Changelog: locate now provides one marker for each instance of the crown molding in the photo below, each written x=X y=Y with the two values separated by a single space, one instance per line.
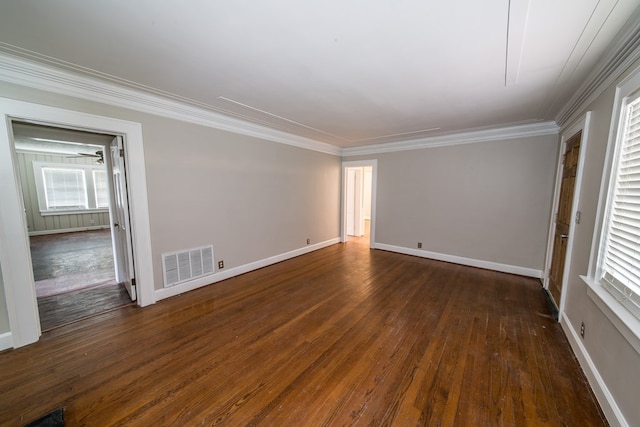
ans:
x=95 y=88
x=621 y=56
x=510 y=132
x=52 y=79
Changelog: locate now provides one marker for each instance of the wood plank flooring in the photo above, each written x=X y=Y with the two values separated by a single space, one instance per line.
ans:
x=58 y=310
x=341 y=336
x=72 y=261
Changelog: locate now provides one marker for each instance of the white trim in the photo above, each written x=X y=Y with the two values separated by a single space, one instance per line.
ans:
x=581 y=125
x=612 y=412
x=236 y=271
x=373 y=163
x=6 y=341
x=470 y=137
x=14 y=246
x=504 y=268
x=52 y=79
x=68 y=230
x=552 y=218
x=73 y=212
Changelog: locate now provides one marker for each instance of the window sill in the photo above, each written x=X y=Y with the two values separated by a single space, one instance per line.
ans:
x=625 y=322
x=73 y=212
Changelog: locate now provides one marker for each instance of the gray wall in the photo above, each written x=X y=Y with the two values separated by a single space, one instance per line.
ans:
x=614 y=358
x=251 y=199
x=488 y=201
x=35 y=221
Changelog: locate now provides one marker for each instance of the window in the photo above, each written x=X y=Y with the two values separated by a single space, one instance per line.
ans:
x=619 y=264
x=613 y=276
x=64 y=188
x=70 y=188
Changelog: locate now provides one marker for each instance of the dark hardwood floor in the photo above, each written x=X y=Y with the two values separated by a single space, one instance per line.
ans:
x=75 y=276
x=59 y=310
x=341 y=336
x=68 y=262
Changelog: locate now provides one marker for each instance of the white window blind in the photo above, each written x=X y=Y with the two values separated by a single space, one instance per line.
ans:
x=64 y=188
x=101 y=188
x=621 y=255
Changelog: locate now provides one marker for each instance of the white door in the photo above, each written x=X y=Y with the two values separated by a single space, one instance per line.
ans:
x=358 y=203
x=119 y=214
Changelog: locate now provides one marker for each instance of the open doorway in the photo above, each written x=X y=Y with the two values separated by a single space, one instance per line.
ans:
x=70 y=200
x=359 y=190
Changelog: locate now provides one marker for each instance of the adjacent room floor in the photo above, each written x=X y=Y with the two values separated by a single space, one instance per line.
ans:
x=74 y=276
x=341 y=336
x=71 y=261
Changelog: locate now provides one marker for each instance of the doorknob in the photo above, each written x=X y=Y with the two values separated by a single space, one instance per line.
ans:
x=116 y=225
x=564 y=236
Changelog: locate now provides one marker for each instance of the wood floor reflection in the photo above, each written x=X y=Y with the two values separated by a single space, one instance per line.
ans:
x=341 y=336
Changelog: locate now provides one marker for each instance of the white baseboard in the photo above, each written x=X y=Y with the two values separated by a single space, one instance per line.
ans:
x=6 y=341
x=608 y=404
x=236 y=271
x=67 y=230
x=505 y=268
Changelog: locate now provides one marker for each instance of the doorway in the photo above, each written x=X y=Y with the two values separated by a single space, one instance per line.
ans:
x=17 y=275
x=358 y=201
x=71 y=206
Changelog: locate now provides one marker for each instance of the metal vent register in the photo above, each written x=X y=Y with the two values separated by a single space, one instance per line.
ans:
x=186 y=265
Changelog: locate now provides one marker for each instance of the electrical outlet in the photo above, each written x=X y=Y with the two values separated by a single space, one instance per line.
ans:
x=582 y=329
x=308 y=241
x=220 y=264
x=419 y=245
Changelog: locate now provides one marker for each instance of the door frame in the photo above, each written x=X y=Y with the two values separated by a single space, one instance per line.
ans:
x=581 y=124
x=15 y=256
x=373 y=163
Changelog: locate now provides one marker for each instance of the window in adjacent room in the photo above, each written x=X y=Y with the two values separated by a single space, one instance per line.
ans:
x=64 y=188
x=70 y=188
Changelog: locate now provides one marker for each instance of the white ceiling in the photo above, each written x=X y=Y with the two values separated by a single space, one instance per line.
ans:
x=349 y=73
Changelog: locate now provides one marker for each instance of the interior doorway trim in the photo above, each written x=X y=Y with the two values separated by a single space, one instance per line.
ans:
x=15 y=255
x=373 y=163
x=582 y=124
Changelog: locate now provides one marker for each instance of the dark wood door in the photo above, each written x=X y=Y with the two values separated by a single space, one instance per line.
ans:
x=563 y=216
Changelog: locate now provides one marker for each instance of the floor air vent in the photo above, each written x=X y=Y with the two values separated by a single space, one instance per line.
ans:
x=186 y=265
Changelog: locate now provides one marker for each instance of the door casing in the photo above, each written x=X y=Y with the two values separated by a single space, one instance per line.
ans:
x=373 y=163
x=582 y=124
